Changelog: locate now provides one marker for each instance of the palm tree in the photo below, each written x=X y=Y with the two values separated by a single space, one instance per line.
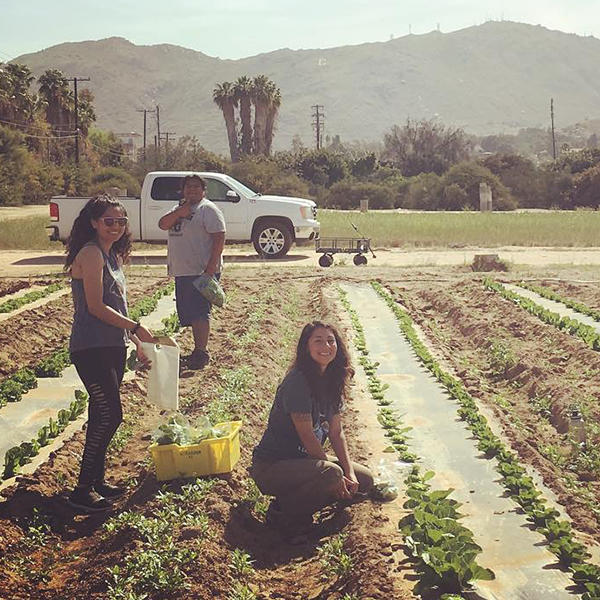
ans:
x=273 y=110
x=224 y=97
x=54 y=88
x=86 y=113
x=243 y=94
x=17 y=104
x=260 y=98
x=7 y=107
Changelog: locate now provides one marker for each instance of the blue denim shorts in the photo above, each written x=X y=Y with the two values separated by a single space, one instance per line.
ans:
x=191 y=304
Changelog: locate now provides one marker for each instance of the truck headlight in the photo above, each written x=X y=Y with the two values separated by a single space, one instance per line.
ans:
x=305 y=212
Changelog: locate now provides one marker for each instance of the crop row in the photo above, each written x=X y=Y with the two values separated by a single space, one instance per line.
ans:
x=443 y=550
x=10 y=305
x=561 y=542
x=572 y=326
x=13 y=387
x=17 y=456
x=552 y=295
x=160 y=550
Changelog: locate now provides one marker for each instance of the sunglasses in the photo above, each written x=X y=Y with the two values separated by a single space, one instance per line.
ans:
x=110 y=221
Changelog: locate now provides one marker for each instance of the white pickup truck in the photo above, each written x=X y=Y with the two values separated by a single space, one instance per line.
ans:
x=271 y=223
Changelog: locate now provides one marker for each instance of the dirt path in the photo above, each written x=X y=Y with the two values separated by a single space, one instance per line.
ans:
x=22 y=263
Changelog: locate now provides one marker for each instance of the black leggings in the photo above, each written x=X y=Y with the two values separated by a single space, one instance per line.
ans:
x=101 y=370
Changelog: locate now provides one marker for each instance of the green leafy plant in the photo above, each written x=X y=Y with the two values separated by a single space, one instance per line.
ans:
x=551 y=295
x=241 y=591
x=336 y=562
x=241 y=564
x=444 y=550
x=18 y=456
x=572 y=326
x=15 y=303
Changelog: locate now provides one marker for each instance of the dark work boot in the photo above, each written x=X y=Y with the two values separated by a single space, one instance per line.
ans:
x=198 y=359
x=108 y=491
x=86 y=499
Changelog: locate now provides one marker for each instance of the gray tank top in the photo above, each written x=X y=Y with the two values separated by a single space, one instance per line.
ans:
x=88 y=331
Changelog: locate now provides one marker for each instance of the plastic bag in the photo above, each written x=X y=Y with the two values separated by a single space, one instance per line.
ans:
x=210 y=288
x=384 y=491
x=163 y=377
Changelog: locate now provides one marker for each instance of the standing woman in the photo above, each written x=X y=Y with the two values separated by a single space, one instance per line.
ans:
x=289 y=462
x=99 y=244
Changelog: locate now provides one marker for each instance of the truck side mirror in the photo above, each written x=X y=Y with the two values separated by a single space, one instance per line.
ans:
x=231 y=196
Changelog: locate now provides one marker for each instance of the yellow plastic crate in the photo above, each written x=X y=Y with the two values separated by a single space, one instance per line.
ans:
x=210 y=456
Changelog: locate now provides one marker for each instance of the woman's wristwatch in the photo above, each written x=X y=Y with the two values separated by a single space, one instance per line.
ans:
x=135 y=328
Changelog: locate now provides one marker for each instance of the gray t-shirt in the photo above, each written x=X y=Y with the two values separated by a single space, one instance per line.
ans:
x=190 y=241
x=280 y=440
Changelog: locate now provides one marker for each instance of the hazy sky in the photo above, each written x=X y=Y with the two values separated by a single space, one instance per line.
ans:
x=239 y=28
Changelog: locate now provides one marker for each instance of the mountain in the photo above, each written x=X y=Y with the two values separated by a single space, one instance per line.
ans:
x=495 y=77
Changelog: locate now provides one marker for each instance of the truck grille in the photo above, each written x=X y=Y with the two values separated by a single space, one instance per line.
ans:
x=314 y=212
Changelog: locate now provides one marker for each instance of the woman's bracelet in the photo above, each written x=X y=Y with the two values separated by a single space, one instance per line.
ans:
x=135 y=328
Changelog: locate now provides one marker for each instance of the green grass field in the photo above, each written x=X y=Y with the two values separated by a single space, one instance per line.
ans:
x=391 y=229
x=27 y=233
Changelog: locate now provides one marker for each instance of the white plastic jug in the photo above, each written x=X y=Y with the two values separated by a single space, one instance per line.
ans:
x=163 y=377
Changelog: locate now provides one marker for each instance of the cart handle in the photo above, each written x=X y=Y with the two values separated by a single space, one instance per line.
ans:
x=362 y=236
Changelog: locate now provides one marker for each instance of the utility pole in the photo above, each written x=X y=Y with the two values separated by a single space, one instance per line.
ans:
x=318 y=124
x=75 y=80
x=166 y=135
x=145 y=111
x=157 y=110
x=552 y=120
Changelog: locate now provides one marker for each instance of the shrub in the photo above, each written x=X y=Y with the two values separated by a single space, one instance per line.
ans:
x=114 y=177
x=347 y=194
x=586 y=188
x=322 y=167
x=424 y=192
x=265 y=176
x=467 y=176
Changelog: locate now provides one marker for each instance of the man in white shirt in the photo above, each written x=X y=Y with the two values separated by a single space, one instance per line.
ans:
x=195 y=246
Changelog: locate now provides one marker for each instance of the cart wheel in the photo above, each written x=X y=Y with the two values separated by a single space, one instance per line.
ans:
x=359 y=259
x=326 y=260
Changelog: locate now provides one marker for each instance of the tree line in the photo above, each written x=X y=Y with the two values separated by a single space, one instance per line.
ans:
x=418 y=165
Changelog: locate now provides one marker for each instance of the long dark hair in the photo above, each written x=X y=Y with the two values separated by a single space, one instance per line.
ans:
x=83 y=231
x=332 y=385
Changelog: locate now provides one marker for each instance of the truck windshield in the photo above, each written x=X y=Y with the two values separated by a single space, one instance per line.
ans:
x=240 y=187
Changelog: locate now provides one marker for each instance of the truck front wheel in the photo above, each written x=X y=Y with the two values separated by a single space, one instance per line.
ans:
x=272 y=239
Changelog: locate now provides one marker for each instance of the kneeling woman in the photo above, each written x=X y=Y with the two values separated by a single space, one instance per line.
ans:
x=289 y=462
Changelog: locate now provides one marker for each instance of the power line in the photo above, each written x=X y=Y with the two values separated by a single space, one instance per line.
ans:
x=113 y=152
x=49 y=137
x=38 y=127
